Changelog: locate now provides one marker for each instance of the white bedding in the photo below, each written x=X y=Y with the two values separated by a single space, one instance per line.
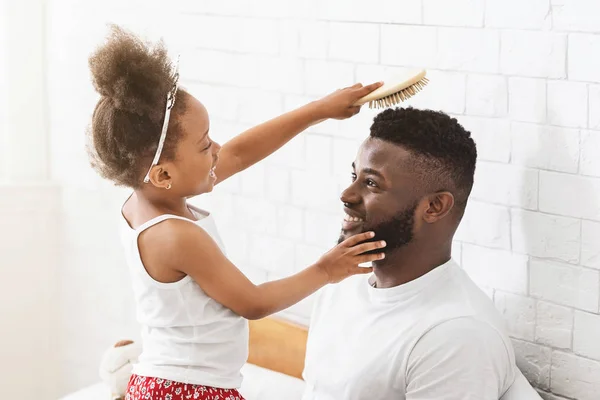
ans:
x=259 y=384
x=96 y=392
x=264 y=384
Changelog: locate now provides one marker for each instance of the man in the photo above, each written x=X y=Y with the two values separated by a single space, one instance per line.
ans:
x=418 y=328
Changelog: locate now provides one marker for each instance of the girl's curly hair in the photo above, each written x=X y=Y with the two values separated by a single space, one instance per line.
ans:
x=133 y=79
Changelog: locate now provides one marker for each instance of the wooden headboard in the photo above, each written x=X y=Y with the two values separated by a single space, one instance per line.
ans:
x=278 y=345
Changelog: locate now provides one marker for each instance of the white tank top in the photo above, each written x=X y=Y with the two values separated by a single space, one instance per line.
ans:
x=186 y=336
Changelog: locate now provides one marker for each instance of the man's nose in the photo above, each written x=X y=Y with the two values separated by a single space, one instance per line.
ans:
x=350 y=195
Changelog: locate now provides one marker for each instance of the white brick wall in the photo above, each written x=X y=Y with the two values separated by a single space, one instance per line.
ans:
x=354 y=42
x=207 y=66
x=281 y=74
x=452 y=83
x=506 y=184
x=522 y=76
x=487 y=95
x=585 y=335
x=567 y=104
x=250 y=101
x=386 y=11
x=564 y=284
x=589 y=162
x=534 y=54
x=307 y=255
x=485 y=225
x=556 y=197
x=454 y=13
x=321 y=229
x=545 y=147
x=527 y=99
x=546 y=236
x=575 y=15
x=492 y=135
x=271 y=253
x=322 y=77
x=553 y=325
x=582 y=67
x=575 y=377
x=590 y=251
x=278 y=184
x=313 y=39
x=594 y=107
x=410 y=46
x=517 y=14
x=459 y=49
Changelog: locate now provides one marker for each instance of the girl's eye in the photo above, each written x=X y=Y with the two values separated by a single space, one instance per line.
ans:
x=209 y=145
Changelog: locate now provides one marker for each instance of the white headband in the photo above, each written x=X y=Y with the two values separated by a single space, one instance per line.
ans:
x=163 y=134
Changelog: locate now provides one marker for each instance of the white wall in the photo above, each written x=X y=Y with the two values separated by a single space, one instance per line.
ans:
x=3 y=90
x=523 y=76
x=29 y=249
x=30 y=227
x=27 y=158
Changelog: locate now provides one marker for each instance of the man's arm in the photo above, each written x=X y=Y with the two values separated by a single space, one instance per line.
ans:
x=461 y=359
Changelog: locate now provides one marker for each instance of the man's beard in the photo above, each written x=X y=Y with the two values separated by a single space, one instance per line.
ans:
x=397 y=231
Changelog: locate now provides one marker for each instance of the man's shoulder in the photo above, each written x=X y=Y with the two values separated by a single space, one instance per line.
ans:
x=466 y=337
x=465 y=329
x=462 y=313
x=467 y=349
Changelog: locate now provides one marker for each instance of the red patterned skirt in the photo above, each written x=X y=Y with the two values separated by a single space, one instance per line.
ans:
x=146 y=388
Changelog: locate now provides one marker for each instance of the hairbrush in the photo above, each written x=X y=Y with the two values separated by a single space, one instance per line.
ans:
x=399 y=89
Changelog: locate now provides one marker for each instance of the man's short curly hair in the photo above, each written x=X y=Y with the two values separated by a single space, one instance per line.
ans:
x=444 y=152
x=133 y=78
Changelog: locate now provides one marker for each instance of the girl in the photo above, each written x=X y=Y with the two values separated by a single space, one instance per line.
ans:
x=192 y=302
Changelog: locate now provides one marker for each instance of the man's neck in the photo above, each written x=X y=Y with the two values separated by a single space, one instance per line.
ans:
x=409 y=263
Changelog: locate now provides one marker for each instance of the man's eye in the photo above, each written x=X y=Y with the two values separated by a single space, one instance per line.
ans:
x=371 y=182
x=353 y=175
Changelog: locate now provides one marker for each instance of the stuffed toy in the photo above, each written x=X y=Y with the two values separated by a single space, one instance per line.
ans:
x=116 y=366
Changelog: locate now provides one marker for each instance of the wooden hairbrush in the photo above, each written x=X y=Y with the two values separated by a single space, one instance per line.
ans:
x=397 y=90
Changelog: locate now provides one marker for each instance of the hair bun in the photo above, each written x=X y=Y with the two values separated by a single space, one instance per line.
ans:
x=134 y=75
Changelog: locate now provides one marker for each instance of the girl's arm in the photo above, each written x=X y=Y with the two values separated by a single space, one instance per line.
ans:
x=255 y=144
x=185 y=247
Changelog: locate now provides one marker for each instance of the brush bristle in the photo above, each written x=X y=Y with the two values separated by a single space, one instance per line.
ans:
x=400 y=96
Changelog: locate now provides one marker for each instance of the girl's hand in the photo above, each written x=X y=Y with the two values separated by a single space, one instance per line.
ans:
x=342 y=261
x=340 y=104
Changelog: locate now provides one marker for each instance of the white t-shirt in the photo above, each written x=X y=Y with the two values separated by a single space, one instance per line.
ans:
x=187 y=336
x=436 y=337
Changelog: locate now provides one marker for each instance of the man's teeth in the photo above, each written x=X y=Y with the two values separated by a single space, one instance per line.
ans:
x=352 y=219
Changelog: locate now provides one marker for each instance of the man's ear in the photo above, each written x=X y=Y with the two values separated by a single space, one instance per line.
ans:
x=440 y=205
